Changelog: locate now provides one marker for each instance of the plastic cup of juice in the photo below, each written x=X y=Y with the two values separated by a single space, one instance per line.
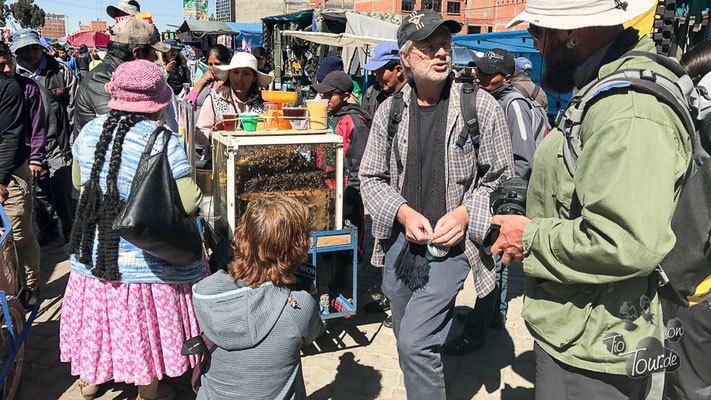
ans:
x=318 y=113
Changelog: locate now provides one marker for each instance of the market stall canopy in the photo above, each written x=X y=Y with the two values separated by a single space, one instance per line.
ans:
x=518 y=44
x=363 y=25
x=335 y=39
x=199 y=28
x=90 y=39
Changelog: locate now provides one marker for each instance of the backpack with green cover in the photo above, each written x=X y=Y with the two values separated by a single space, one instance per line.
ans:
x=685 y=273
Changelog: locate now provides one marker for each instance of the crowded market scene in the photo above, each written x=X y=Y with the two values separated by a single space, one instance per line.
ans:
x=319 y=201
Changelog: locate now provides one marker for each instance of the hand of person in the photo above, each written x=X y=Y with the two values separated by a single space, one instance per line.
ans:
x=510 y=241
x=417 y=228
x=219 y=126
x=36 y=170
x=4 y=194
x=450 y=229
x=208 y=76
x=170 y=65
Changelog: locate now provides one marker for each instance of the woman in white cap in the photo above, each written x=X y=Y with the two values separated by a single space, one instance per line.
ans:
x=239 y=94
x=598 y=226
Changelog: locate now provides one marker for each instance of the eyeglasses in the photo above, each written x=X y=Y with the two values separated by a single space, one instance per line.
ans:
x=536 y=31
x=431 y=50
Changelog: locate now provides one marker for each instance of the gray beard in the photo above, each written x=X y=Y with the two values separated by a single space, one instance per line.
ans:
x=429 y=76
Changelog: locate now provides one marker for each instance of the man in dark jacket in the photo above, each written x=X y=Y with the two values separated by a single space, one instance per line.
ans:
x=15 y=176
x=59 y=85
x=176 y=67
x=131 y=39
x=390 y=78
x=83 y=59
x=353 y=124
x=522 y=82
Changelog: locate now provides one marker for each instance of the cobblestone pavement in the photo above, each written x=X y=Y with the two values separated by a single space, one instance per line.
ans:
x=357 y=359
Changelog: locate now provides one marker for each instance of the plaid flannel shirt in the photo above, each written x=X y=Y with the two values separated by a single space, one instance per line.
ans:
x=469 y=180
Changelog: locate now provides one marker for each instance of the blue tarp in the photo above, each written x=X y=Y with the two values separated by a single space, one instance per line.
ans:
x=251 y=33
x=519 y=44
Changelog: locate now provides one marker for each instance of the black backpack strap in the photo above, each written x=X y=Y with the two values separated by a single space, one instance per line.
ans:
x=397 y=108
x=470 y=130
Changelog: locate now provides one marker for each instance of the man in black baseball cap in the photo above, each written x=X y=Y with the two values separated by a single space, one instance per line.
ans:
x=421 y=24
x=352 y=123
x=426 y=189
x=495 y=69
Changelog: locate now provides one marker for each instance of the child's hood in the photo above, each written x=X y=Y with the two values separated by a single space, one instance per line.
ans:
x=236 y=317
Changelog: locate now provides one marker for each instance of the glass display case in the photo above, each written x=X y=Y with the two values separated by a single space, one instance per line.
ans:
x=307 y=166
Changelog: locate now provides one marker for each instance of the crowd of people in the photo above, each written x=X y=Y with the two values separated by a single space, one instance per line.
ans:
x=424 y=151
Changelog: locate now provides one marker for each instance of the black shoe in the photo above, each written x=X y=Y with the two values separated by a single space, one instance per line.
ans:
x=28 y=298
x=498 y=323
x=45 y=238
x=377 y=306
x=463 y=344
x=388 y=323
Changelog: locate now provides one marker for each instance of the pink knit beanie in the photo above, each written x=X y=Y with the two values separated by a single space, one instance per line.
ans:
x=138 y=86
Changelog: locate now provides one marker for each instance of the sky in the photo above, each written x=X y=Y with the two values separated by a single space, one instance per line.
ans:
x=164 y=12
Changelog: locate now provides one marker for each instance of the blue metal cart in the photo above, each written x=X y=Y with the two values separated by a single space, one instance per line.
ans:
x=15 y=329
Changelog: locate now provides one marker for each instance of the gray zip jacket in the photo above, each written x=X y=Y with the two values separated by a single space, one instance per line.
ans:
x=258 y=336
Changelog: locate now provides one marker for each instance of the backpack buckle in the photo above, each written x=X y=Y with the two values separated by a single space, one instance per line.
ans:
x=397 y=118
x=663 y=278
x=472 y=123
x=648 y=75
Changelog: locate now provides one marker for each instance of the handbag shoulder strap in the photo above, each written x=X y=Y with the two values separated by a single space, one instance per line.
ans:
x=152 y=140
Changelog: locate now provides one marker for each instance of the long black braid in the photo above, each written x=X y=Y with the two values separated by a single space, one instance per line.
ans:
x=95 y=209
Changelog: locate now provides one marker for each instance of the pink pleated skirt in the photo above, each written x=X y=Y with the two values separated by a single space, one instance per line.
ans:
x=125 y=332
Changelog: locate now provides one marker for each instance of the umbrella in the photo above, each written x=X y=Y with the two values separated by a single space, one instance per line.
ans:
x=89 y=38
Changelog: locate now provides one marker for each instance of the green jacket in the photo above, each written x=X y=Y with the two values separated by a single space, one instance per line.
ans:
x=593 y=241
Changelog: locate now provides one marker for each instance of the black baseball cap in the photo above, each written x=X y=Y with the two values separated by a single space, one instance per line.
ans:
x=496 y=61
x=420 y=24
x=336 y=80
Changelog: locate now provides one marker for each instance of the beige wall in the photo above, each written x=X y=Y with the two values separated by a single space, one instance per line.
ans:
x=252 y=11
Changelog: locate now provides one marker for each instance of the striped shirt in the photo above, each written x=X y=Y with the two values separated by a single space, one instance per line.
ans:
x=135 y=265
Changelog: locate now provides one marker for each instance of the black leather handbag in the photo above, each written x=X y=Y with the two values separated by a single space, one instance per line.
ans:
x=154 y=219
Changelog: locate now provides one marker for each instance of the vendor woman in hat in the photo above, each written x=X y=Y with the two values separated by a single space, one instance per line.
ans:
x=239 y=94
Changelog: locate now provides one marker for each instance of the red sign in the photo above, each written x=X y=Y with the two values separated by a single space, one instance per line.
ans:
x=145 y=15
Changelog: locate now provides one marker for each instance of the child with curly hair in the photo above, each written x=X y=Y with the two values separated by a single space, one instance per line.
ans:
x=252 y=313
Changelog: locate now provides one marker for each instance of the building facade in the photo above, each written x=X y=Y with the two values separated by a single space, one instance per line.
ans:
x=476 y=16
x=225 y=10
x=54 y=26
x=246 y=12
x=93 y=26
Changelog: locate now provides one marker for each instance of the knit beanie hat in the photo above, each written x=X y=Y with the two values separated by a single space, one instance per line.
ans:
x=328 y=65
x=138 y=86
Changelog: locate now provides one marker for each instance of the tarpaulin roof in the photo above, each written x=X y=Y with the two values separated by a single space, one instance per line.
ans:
x=308 y=14
x=206 y=27
x=89 y=38
x=242 y=27
x=518 y=44
x=335 y=39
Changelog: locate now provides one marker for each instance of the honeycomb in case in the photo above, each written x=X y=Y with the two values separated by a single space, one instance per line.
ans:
x=296 y=171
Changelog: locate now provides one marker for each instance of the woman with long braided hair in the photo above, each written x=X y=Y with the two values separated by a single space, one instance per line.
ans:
x=126 y=313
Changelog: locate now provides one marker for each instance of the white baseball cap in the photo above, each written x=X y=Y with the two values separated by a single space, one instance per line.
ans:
x=574 y=14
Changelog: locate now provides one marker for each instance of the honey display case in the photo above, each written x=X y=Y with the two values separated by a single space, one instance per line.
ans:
x=306 y=165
